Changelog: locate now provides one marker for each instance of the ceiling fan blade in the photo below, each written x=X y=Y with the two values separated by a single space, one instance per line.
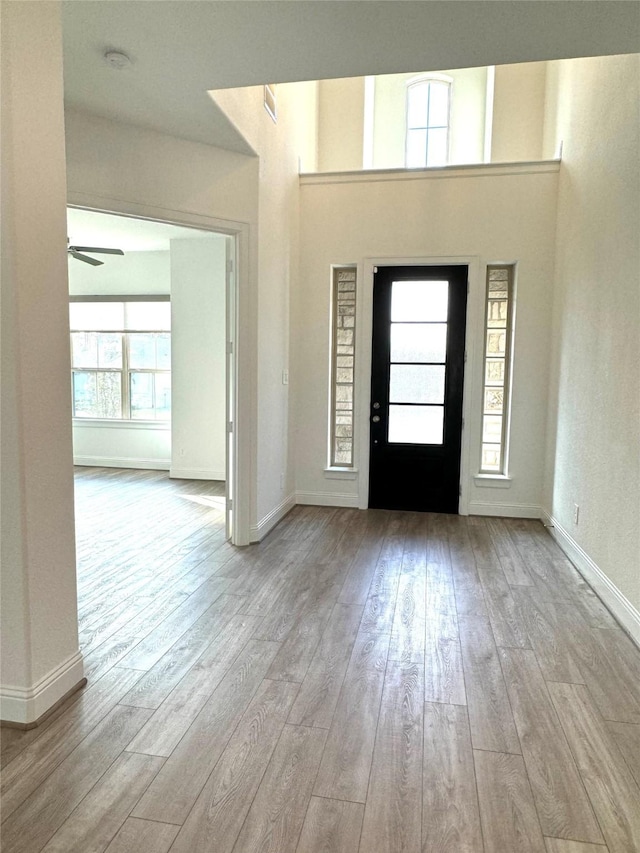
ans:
x=85 y=258
x=96 y=250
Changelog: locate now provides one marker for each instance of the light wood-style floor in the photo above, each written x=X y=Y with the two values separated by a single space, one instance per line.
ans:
x=375 y=681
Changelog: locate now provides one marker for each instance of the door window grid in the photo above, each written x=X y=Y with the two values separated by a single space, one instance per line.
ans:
x=342 y=366
x=119 y=372
x=495 y=396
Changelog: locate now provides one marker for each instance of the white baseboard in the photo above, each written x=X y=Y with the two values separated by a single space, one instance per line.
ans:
x=327 y=499
x=258 y=531
x=196 y=474
x=504 y=510
x=122 y=462
x=26 y=705
x=618 y=604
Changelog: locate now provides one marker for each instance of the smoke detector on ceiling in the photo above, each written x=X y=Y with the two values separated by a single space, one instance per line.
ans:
x=116 y=59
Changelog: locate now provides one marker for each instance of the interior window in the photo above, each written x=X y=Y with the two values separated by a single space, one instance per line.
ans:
x=427 y=142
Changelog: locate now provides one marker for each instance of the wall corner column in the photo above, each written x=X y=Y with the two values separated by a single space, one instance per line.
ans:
x=41 y=662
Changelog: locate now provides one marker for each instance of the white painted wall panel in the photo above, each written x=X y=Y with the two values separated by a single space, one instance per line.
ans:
x=593 y=455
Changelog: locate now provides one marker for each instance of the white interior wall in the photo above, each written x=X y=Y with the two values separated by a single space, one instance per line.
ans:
x=41 y=661
x=517 y=122
x=198 y=354
x=593 y=455
x=519 y=112
x=137 y=273
x=279 y=146
x=492 y=214
x=340 y=124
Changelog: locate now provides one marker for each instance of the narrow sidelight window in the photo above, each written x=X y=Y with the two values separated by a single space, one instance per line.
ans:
x=342 y=366
x=497 y=360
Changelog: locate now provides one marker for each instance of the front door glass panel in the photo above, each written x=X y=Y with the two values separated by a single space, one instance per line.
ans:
x=417 y=361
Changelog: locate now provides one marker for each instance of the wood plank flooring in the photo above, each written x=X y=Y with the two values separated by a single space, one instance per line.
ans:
x=359 y=682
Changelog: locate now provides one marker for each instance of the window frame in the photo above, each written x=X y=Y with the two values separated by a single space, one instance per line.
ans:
x=427 y=79
x=503 y=469
x=125 y=370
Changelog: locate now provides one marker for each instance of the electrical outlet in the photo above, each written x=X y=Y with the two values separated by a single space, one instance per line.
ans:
x=285 y=377
x=282 y=482
x=576 y=513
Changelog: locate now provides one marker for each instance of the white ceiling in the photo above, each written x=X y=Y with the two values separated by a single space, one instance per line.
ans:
x=105 y=230
x=180 y=49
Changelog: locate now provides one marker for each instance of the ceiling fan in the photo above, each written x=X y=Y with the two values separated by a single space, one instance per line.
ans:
x=76 y=252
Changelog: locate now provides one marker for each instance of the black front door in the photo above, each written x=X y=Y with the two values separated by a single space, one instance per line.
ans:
x=417 y=372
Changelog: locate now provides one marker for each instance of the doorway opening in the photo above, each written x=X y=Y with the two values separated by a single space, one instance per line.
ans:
x=154 y=398
x=417 y=378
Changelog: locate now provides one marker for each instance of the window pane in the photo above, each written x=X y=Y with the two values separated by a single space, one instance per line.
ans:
x=141 y=391
x=84 y=349
x=439 y=105
x=493 y=399
x=496 y=343
x=163 y=351
x=416 y=424
x=163 y=395
x=85 y=395
x=494 y=371
x=437 y=143
x=96 y=316
x=97 y=395
x=492 y=428
x=155 y=316
x=416 y=383
x=497 y=313
x=418 y=341
x=417 y=104
x=142 y=352
x=416 y=149
x=109 y=350
x=419 y=301
x=491 y=457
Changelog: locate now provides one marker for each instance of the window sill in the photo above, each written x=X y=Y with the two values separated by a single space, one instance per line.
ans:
x=341 y=473
x=493 y=481
x=116 y=424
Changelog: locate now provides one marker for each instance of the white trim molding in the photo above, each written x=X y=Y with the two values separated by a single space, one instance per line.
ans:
x=121 y=462
x=197 y=474
x=504 y=510
x=492 y=481
x=327 y=499
x=472 y=170
x=621 y=608
x=259 y=531
x=108 y=423
x=25 y=705
x=341 y=473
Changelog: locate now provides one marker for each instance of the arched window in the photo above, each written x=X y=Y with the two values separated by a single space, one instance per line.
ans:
x=427 y=144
